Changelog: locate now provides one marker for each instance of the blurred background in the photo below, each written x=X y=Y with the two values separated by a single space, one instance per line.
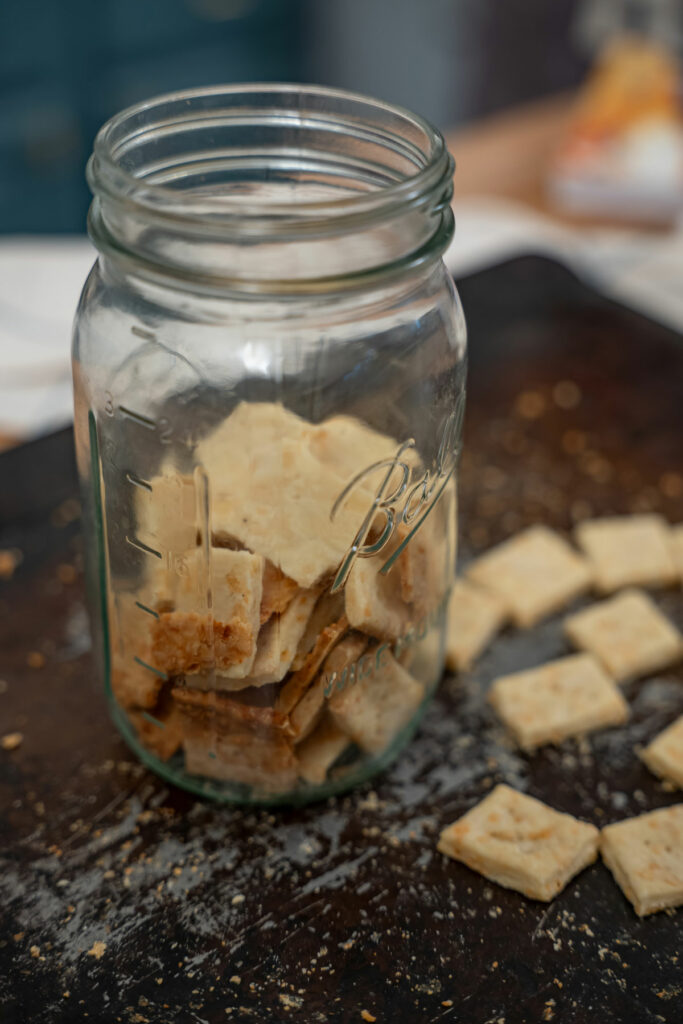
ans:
x=564 y=118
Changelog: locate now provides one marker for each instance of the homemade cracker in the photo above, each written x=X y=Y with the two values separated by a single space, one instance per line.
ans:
x=628 y=551
x=277 y=591
x=224 y=739
x=533 y=574
x=320 y=750
x=307 y=712
x=567 y=697
x=167 y=514
x=627 y=633
x=275 y=482
x=373 y=600
x=279 y=639
x=379 y=702
x=474 y=617
x=196 y=636
x=521 y=843
x=299 y=682
x=664 y=755
x=645 y=855
x=329 y=608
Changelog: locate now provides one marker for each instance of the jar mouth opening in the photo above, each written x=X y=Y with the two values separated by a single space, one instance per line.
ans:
x=267 y=159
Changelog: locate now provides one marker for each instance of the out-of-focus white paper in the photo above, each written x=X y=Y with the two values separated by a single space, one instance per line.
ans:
x=40 y=282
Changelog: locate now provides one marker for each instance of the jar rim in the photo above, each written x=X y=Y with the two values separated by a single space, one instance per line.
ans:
x=108 y=177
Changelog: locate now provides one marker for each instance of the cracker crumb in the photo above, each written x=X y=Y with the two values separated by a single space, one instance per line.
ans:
x=35 y=952
x=9 y=560
x=34 y=659
x=365 y=1015
x=236 y=900
x=12 y=740
x=236 y=980
x=97 y=949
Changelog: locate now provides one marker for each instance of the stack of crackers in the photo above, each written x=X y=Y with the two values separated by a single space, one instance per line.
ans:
x=514 y=839
x=236 y=647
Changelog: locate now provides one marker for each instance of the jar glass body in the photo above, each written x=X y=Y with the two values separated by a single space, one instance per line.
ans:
x=270 y=514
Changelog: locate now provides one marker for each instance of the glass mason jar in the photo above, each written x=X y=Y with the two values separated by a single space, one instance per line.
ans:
x=269 y=368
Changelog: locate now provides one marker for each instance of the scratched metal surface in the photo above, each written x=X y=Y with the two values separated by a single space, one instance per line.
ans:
x=123 y=900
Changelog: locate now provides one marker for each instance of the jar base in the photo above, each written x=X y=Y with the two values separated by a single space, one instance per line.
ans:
x=237 y=794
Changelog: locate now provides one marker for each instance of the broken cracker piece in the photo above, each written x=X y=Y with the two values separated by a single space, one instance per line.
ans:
x=320 y=750
x=373 y=600
x=224 y=739
x=328 y=609
x=664 y=754
x=378 y=702
x=219 y=630
x=474 y=617
x=627 y=633
x=299 y=682
x=278 y=591
x=521 y=843
x=645 y=855
x=279 y=639
x=566 y=697
x=309 y=709
x=627 y=551
x=534 y=574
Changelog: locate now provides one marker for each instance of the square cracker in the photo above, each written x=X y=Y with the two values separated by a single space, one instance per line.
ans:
x=521 y=843
x=627 y=633
x=378 y=702
x=533 y=574
x=197 y=635
x=320 y=750
x=664 y=755
x=627 y=551
x=645 y=855
x=563 y=698
x=474 y=617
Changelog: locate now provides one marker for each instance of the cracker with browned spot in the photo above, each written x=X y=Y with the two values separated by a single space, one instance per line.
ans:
x=278 y=591
x=521 y=843
x=645 y=855
x=566 y=697
x=329 y=608
x=216 y=616
x=664 y=754
x=533 y=574
x=627 y=633
x=627 y=551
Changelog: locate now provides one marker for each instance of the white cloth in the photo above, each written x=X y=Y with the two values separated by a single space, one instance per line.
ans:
x=41 y=279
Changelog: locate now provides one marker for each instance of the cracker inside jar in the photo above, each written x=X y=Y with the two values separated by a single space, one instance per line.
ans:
x=252 y=659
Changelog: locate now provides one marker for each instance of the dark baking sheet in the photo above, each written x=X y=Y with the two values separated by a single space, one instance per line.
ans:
x=211 y=914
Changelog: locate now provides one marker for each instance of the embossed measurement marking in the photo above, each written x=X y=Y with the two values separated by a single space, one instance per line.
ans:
x=145 y=548
x=137 y=481
x=151 y=668
x=143 y=421
x=140 y=332
x=144 y=608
